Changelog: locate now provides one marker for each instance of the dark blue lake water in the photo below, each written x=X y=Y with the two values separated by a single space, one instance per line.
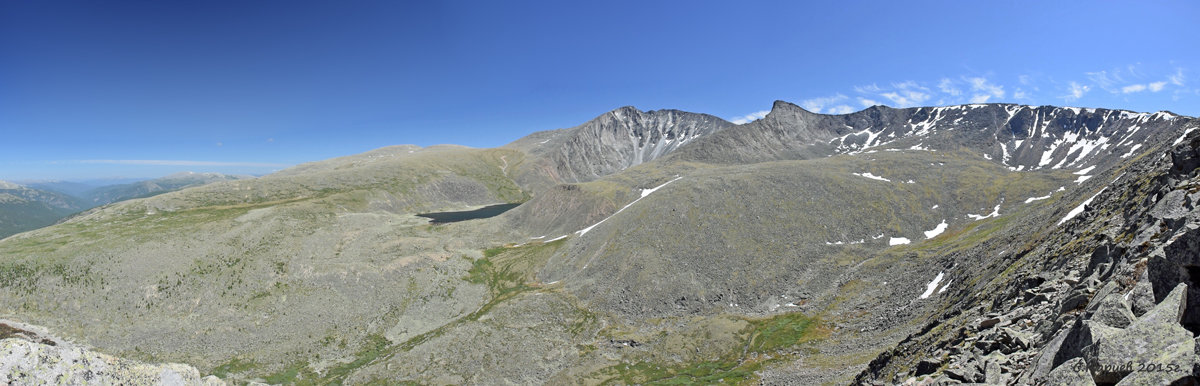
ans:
x=484 y=212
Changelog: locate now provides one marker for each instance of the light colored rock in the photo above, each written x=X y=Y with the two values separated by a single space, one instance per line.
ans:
x=1071 y=373
x=1114 y=311
x=25 y=362
x=1156 y=338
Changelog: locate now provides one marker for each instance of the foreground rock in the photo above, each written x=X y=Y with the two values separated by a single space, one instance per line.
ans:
x=32 y=358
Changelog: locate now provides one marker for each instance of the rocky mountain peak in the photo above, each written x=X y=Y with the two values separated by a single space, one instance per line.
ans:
x=620 y=139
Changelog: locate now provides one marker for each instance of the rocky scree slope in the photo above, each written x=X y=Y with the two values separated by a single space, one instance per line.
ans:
x=905 y=174
x=1105 y=293
x=788 y=251
x=249 y=279
x=612 y=142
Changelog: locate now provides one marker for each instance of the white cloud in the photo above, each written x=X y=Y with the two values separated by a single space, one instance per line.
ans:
x=903 y=94
x=1177 y=78
x=908 y=84
x=1133 y=88
x=984 y=90
x=871 y=89
x=906 y=98
x=1024 y=79
x=947 y=86
x=1134 y=71
x=1075 y=91
x=867 y=102
x=749 y=117
x=1020 y=94
x=840 y=109
x=1105 y=80
x=1157 y=86
x=178 y=163
x=817 y=104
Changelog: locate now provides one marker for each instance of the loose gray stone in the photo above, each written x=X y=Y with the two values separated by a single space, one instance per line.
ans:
x=1114 y=311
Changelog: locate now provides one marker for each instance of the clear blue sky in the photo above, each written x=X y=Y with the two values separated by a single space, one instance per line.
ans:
x=93 y=89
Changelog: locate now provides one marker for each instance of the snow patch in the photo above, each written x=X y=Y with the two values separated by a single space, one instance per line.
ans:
x=898 y=241
x=645 y=192
x=932 y=285
x=1184 y=136
x=556 y=238
x=1078 y=209
x=1032 y=199
x=1131 y=151
x=944 y=287
x=929 y=234
x=1081 y=179
x=995 y=213
x=1085 y=171
x=871 y=176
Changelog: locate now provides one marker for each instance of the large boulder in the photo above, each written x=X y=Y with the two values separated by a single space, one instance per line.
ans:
x=1114 y=311
x=1156 y=339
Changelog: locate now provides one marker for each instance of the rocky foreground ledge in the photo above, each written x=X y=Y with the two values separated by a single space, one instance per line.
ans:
x=31 y=356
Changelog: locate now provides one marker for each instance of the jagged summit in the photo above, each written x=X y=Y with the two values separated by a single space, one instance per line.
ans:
x=614 y=141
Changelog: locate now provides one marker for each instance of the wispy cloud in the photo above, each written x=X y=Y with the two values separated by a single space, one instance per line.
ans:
x=179 y=163
x=1133 y=88
x=904 y=94
x=869 y=89
x=749 y=117
x=947 y=86
x=816 y=105
x=840 y=109
x=1032 y=87
x=1075 y=91
x=982 y=90
x=1177 y=78
x=1105 y=80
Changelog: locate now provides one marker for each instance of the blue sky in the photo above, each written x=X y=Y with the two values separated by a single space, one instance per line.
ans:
x=93 y=89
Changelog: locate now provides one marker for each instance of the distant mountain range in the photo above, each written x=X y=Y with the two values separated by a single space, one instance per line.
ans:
x=982 y=243
x=38 y=204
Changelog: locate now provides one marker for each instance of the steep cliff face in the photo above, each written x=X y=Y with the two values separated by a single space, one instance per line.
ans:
x=613 y=142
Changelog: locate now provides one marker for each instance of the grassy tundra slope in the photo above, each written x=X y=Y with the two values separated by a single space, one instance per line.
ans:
x=796 y=248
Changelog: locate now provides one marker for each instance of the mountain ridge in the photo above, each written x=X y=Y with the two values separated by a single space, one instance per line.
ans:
x=798 y=248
